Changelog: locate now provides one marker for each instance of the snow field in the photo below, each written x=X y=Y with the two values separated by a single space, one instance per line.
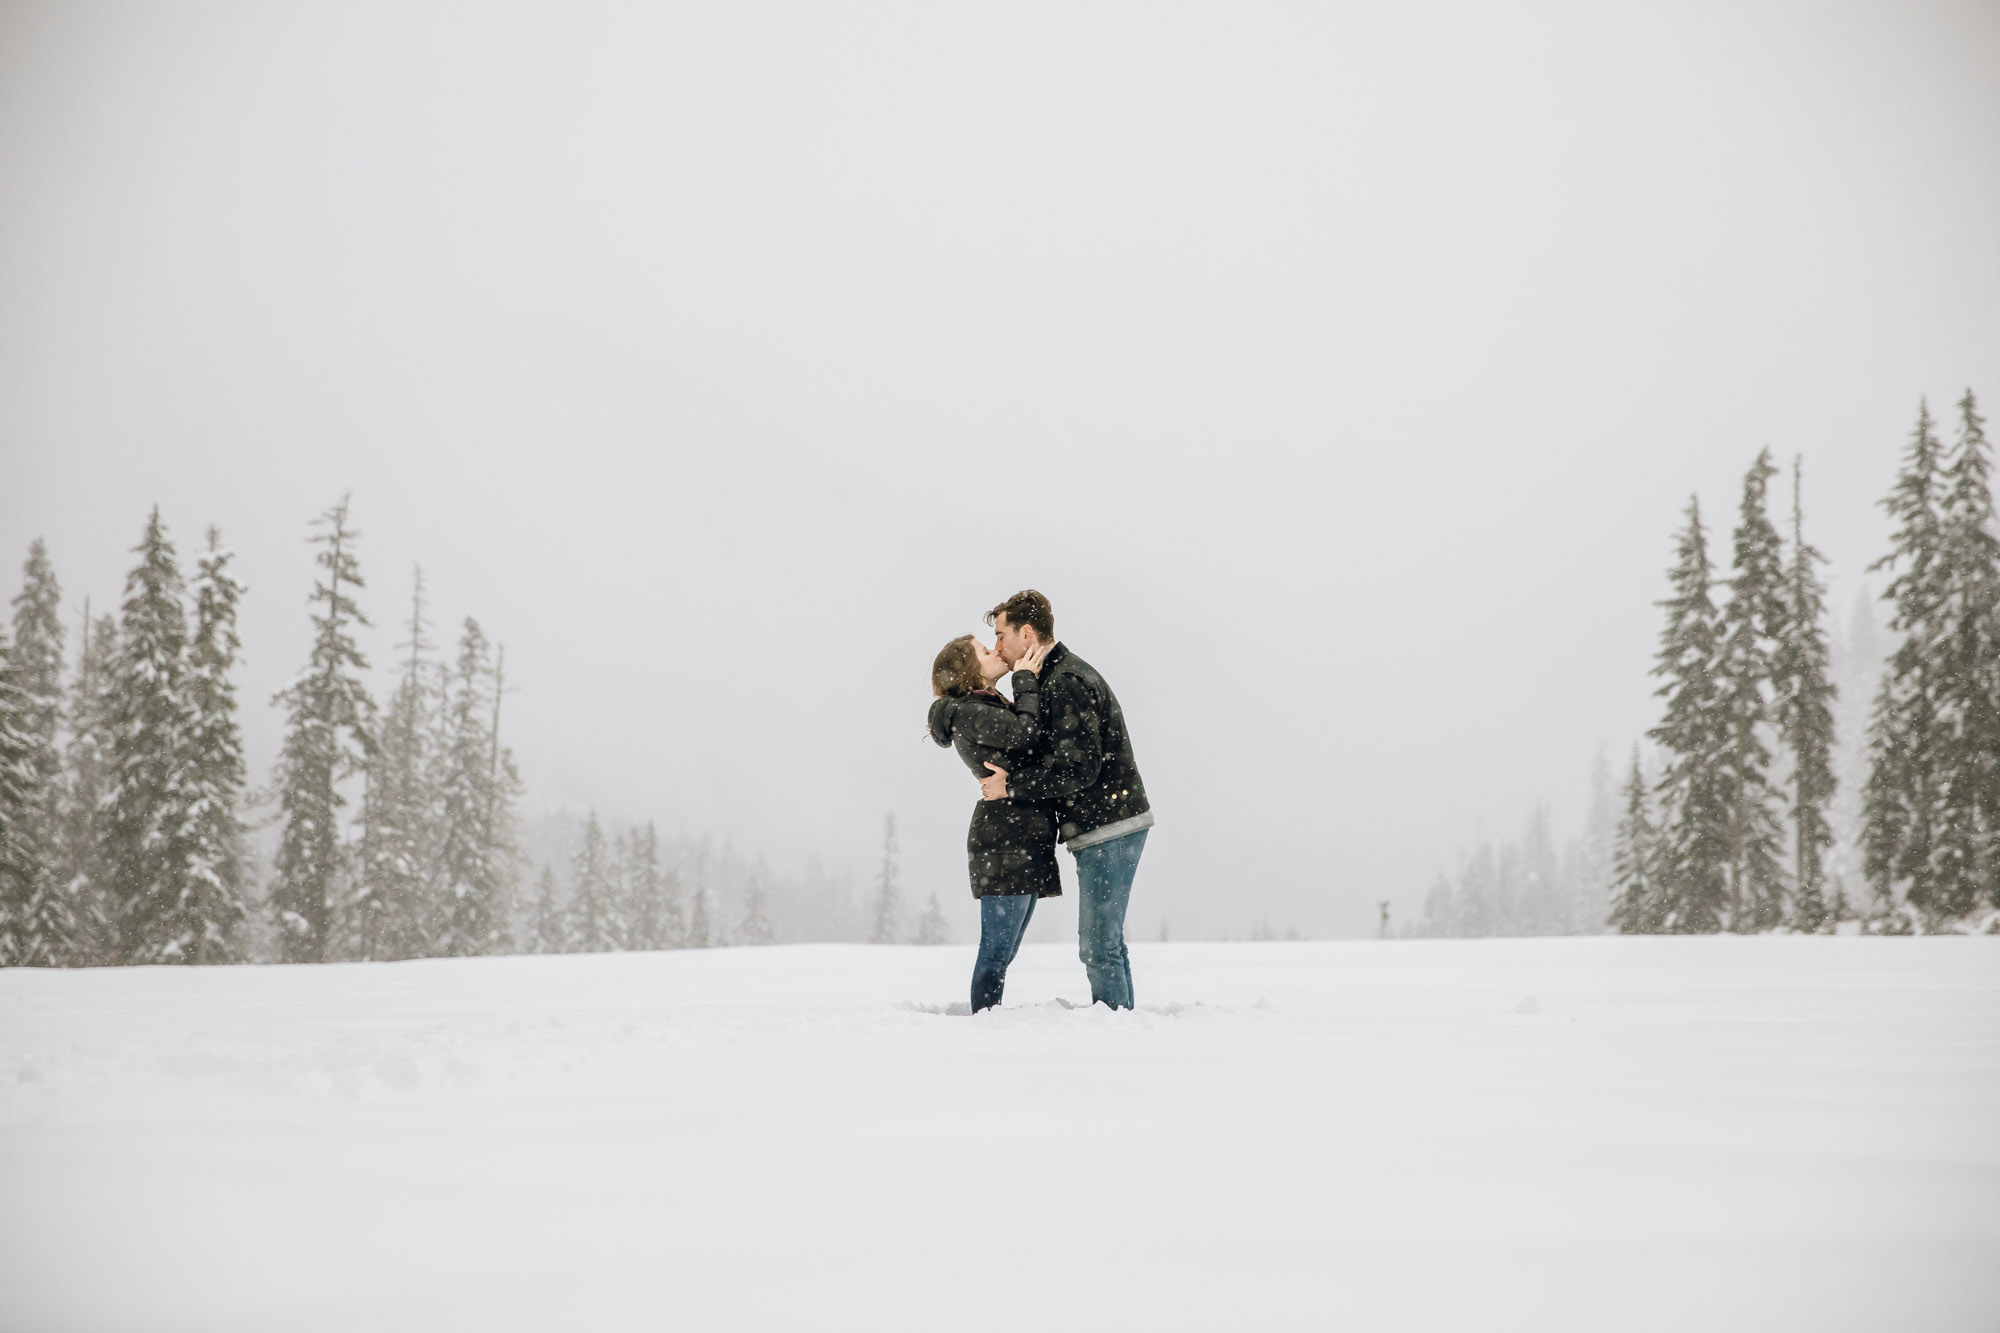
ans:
x=1715 y=1133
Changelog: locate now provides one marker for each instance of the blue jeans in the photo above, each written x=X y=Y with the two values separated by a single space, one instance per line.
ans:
x=1104 y=877
x=1003 y=920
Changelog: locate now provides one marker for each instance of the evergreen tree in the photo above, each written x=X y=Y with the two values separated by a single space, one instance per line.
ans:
x=1440 y=916
x=655 y=912
x=44 y=926
x=888 y=900
x=20 y=871
x=1635 y=900
x=700 y=935
x=1964 y=869
x=756 y=927
x=931 y=927
x=477 y=794
x=550 y=935
x=592 y=917
x=1696 y=797
x=1900 y=805
x=203 y=927
x=623 y=929
x=1752 y=625
x=1587 y=869
x=1542 y=909
x=329 y=737
x=148 y=825
x=1805 y=699
x=395 y=907
x=86 y=869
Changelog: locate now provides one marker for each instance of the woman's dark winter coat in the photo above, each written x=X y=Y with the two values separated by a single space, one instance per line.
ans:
x=1012 y=844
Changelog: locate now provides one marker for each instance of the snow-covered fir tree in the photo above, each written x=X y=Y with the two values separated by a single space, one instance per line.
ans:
x=329 y=736
x=477 y=792
x=547 y=932
x=1635 y=901
x=1859 y=653
x=88 y=762
x=20 y=869
x=148 y=830
x=654 y=913
x=1905 y=769
x=203 y=926
x=45 y=927
x=591 y=925
x=1964 y=869
x=1802 y=674
x=1541 y=904
x=1587 y=861
x=1696 y=797
x=888 y=898
x=1752 y=626
x=755 y=927
x=394 y=907
x=931 y=926
x=701 y=933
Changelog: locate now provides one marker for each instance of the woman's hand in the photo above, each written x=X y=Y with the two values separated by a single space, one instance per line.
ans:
x=1031 y=661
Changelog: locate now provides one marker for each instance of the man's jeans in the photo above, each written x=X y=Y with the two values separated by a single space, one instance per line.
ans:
x=1104 y=875
x=1003 y=920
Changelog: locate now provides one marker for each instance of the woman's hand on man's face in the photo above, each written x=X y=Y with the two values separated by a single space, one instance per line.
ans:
x=1031 y=660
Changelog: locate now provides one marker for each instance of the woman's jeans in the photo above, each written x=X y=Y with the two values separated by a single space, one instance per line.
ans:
x=1003 y=920
x=1104 y=880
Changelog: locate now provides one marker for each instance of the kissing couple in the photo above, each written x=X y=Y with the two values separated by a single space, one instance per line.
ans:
x=1054 y=765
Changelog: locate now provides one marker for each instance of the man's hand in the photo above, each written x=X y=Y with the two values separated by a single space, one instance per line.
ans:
x=994 y=785
x=1032 y=659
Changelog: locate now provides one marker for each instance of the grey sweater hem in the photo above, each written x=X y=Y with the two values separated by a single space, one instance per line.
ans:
x=1107 y=832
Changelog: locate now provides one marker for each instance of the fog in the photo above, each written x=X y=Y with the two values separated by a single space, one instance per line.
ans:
x=1339 y=373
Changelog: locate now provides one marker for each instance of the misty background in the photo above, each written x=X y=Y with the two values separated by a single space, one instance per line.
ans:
x=1340 y=374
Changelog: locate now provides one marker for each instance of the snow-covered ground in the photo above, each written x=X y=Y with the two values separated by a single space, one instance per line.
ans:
x=1600 y=1134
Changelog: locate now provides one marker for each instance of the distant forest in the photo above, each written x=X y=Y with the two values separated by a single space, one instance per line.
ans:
x=1767 y=798
x=125 y=811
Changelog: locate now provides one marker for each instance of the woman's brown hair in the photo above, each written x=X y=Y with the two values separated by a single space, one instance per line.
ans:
x=956 y=670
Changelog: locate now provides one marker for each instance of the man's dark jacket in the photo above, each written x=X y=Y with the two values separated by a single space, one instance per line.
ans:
x=1084 y=762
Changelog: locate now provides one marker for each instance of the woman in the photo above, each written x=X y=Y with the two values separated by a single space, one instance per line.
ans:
x=1012 y=844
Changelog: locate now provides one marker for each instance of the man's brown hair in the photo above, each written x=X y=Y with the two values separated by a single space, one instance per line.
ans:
x=1028 y=608
x=956 y=670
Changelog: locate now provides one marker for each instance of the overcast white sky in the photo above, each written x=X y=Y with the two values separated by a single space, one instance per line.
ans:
x=1339 y=371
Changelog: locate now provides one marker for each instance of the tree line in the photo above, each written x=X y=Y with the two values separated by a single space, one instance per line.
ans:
x=1737 y=820
x=124 y=837
x=1734 y=832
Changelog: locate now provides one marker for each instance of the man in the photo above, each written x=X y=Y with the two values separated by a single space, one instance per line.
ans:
x=1085 y=767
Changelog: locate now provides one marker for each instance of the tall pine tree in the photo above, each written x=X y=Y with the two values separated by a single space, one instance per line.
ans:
x=888 y=898
x=1635 y=899
x=329 y=736
x=756 y=926
x=46 y=926
x=85 y=866
x=476 y=796
x=394 y=908
x=203 y=926
x=1905 y=779
x=148 y=833
x=550 y=935
x=19 y=869
x=1965 y=861
x=1805 y=700
x=1752 y=625
x=1696 y=796
x=593 y=915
